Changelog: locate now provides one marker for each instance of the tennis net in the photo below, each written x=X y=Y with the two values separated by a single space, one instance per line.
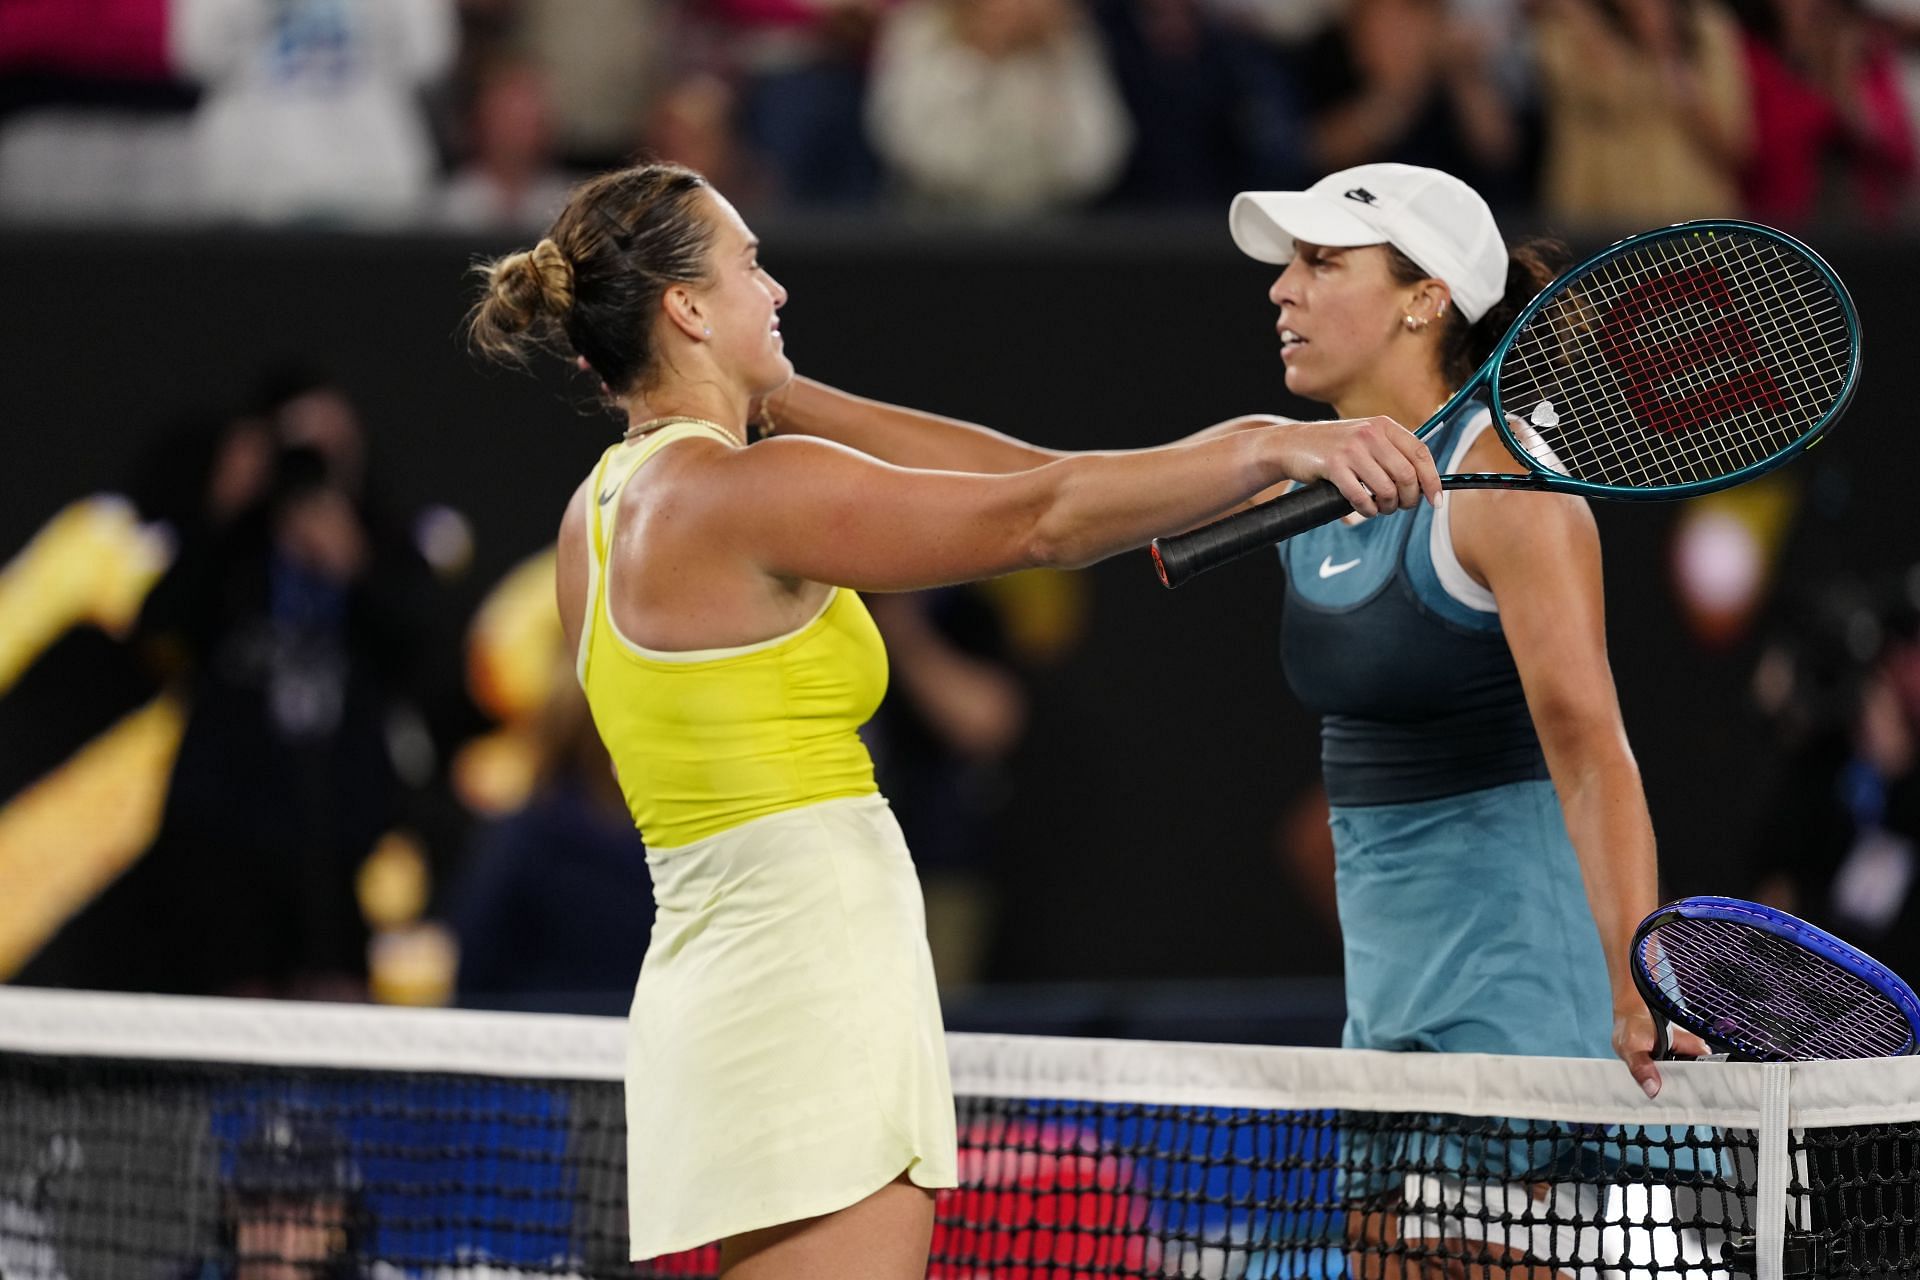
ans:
x=147 y=1136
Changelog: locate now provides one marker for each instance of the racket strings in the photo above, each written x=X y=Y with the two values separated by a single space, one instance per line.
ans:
x=1767 y=997
x=1673 y=352
x=1667 y=355
x=1687 y=358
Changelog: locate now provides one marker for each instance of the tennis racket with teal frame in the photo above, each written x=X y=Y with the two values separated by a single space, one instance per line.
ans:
x=1670 y=364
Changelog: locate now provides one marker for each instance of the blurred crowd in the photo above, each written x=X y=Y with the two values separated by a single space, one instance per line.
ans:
x=476 y=114
x=240 y=671
x=1839 y=841
x=249 y=745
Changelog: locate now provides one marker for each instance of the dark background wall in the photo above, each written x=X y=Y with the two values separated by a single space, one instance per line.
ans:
x=1165 y=750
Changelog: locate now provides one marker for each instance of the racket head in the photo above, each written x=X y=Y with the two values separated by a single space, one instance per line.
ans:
x=1762 y=985
x=1677 y=362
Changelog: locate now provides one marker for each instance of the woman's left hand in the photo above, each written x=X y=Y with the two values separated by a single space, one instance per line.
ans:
x=1633 y=1042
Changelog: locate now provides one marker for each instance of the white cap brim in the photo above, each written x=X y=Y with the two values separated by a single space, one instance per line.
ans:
x=1265 y=224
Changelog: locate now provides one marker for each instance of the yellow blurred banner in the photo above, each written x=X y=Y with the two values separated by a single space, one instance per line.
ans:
x=68 y=836
x=93 y=562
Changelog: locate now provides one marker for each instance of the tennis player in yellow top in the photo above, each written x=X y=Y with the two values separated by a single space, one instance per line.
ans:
x=787 y=1086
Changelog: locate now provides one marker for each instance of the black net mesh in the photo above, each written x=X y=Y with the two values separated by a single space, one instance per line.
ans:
x=114 y=1169
x=439 y=1145
x=1855 y=1187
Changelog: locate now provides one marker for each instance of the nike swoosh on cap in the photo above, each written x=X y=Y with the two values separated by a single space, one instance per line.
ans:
x=1328 y=568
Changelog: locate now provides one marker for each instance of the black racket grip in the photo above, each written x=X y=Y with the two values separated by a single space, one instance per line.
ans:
x=1183 y=555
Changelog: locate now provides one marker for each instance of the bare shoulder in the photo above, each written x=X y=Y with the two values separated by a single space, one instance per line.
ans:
x=1514 y=525
x=694 y=487
x=710 y=480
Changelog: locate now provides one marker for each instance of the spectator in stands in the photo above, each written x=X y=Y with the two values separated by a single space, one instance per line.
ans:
x=28 y=1192
x=294 y=1206
x=1900 y=21
x=1000 y=107
x=1840 y=843
x=1648 y=120
x=90 y=38
x=694 y=122
x=1284 y=22
x=311 y=107
x=553 y=906
x=801 y=71
x=603 y=62
x=955 y=709
x=1214 y=110
x=1827 y=104
x=1415 y=82
x=512 y=180
x=91 y=123
x=299 y=625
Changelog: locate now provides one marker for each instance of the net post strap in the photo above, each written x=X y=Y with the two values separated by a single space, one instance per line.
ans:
x=1776 y=1095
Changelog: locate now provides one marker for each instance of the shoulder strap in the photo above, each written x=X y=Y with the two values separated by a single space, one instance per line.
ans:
x=616 y=467
x=1466 y=428
x=596 y=560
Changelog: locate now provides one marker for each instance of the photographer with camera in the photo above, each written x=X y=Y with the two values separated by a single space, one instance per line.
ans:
x=295 y=623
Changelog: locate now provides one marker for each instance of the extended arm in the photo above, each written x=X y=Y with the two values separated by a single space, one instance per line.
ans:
x=927 y=441
x=807 y=509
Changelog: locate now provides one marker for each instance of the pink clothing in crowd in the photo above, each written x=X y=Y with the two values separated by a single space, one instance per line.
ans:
x=1800 y=135
x=765 y=13
x=122 y=39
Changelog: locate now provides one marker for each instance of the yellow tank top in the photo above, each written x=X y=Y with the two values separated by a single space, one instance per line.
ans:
x=707 y=739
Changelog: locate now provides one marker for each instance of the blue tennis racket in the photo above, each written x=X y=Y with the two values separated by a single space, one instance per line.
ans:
x=1670 y=364
x=1763 y=986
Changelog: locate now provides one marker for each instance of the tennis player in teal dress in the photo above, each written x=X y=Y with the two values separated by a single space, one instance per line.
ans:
x=1493 y=850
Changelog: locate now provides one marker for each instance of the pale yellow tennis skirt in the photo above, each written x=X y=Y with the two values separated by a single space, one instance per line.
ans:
x=786 y=1056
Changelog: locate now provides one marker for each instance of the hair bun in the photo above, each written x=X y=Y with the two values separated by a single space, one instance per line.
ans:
x=528 y=299
x=554 y=274
x=524 y=285
x=592 y=285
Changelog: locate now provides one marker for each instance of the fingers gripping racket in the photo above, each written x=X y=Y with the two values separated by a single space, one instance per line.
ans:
x=1673 y=363
x=1761 y=985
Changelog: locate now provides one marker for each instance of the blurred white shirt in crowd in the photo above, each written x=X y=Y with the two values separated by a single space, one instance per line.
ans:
x=312 y=107
x=474 y=201
x=1034 y=126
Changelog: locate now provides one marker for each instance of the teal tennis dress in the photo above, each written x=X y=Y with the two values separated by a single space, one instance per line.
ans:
x=1465 y=922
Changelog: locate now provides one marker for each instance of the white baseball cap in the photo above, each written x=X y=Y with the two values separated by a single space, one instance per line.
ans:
x=1437 y=220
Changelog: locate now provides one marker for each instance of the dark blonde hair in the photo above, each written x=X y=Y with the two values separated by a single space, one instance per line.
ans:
x=1532 y=265
x=592 y=286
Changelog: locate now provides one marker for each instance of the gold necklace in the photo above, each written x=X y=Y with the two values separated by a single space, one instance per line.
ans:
x=638 y=429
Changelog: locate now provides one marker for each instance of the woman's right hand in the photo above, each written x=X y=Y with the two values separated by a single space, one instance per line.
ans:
x=1377 y=464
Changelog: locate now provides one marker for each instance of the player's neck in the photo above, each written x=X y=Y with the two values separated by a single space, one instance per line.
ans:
x=696 y=400
x=1409 y=401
